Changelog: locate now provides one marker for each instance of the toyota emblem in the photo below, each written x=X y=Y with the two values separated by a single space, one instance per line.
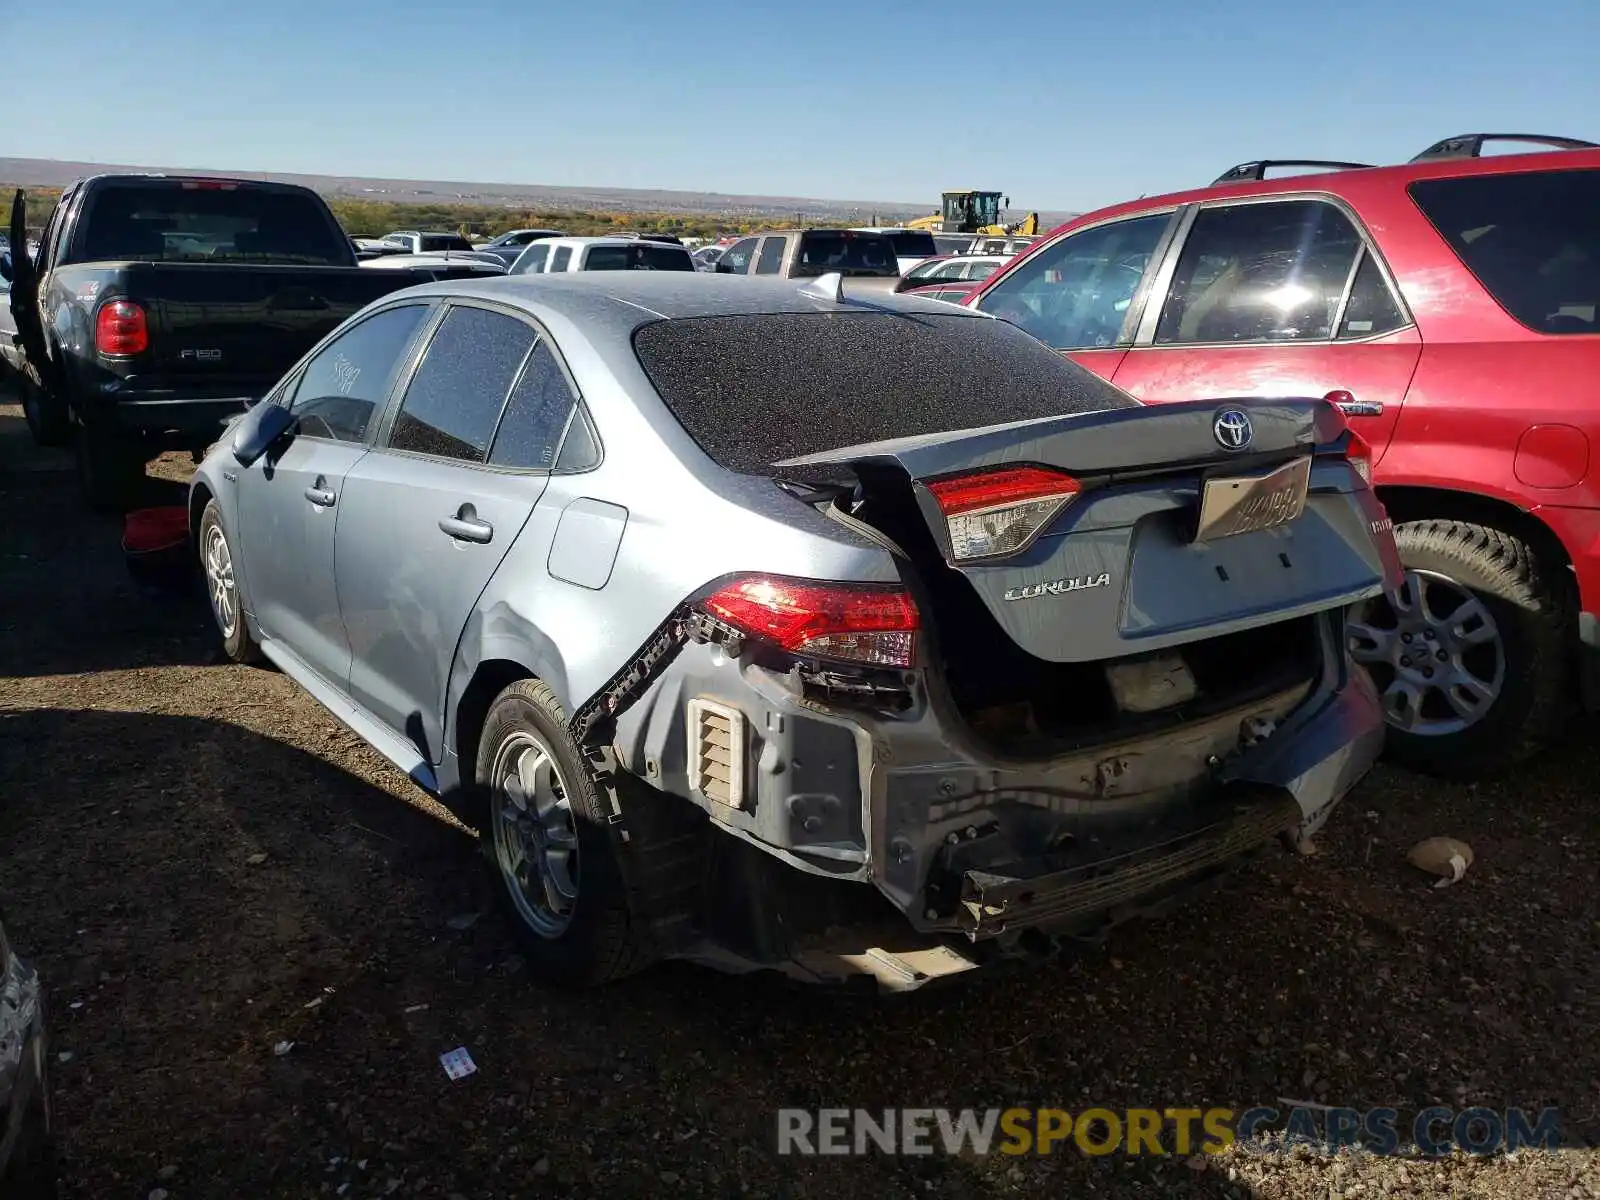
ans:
x=1232 y=429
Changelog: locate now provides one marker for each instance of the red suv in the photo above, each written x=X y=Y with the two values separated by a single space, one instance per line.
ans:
x=1451 y=307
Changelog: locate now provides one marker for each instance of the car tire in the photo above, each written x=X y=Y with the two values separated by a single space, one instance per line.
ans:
x=549 y=853
x=110 y=467
x=47 y=418
x=1491 y=622
x=224 y=589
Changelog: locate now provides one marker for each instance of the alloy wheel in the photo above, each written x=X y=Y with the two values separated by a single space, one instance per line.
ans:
x=219 y=581
x=1434 y=652
x=535 y=836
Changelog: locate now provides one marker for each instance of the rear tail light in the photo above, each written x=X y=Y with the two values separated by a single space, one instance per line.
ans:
x=119 y=328
x=873 y=625
x=995 y=513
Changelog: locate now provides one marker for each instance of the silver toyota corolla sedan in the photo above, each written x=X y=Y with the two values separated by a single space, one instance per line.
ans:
x=756 y=622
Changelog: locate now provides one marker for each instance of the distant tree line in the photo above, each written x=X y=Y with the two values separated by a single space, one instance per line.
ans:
x=370 y=218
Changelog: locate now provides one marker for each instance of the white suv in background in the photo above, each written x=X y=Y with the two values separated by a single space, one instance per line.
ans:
x=600 y=254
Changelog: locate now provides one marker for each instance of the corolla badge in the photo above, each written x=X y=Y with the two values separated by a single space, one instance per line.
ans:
x=1232 y=429
x=1057 y=587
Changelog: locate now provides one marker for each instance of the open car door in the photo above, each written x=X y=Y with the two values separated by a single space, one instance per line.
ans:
x=24 y=296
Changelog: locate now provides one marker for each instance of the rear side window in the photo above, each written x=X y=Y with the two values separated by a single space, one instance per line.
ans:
x=454 y=399
x=177 y=221
x=1270 y=272
x=755 y=389
x=560 y=259
x=846 y=253
x=536 y=415
x=349 y=379
x=770 y=261
x=1532 y=239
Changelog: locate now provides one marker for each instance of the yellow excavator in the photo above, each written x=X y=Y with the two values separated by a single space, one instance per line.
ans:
x=975 y=212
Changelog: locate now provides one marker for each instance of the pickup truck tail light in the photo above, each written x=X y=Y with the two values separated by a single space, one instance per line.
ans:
x=866 y=624
x=120 y=328
x=994 y=513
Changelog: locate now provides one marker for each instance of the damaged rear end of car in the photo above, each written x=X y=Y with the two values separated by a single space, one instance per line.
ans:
x=1110 y=662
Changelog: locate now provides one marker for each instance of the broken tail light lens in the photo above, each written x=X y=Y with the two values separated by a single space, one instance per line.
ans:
x=120 y=328
x=995 y=513
x=1359 y=452
x=829 y=620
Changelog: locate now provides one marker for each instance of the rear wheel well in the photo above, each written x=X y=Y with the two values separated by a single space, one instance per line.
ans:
x=491 y=678
x=1421 y=503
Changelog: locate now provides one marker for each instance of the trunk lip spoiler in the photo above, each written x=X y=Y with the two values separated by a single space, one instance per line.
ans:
x=1319 y=422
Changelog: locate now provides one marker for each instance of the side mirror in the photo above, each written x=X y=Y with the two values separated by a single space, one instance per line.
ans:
x=263 y=427
x=6 y=271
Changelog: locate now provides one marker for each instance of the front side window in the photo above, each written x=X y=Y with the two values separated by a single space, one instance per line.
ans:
x=1075 y=294
x=531 y=261
x=736 y=258
x=1531 y=238
x=1267 y=272
x=349 y=380
x=455 y=396
x=560 y=259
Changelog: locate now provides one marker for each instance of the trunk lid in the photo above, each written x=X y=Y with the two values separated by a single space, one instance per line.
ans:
x=1117 y=570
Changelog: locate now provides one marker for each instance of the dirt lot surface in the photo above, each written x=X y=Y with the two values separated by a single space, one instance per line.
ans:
x=205 y=866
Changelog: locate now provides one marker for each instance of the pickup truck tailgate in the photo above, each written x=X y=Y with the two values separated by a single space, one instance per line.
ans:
x=244 y=325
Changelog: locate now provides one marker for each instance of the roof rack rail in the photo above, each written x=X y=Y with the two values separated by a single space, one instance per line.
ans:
x=1258 y=170
x=1470 y=145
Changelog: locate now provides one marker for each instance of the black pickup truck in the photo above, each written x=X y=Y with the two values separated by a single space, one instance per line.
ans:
x=157 y=306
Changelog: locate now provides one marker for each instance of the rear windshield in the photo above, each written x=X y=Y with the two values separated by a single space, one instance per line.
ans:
x=643 y=256
x=444 y=241
x=1532 y=239
x=753 y=390
x=183 y=222
x=845 y=254
x=913 y=243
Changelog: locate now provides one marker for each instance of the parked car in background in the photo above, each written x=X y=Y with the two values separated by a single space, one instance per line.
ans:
x=808 y=253
x=447 y=264
x=27 y=1154
x=508 y=245
x=705 y=258
x=725 y=646
x=366 y=248
x=950 y=293
x=555 y=255
x=160 y=305
x=1451 y=307
x=414 y=241
x=946 y=268
x=1008 y=245
x=911 y=246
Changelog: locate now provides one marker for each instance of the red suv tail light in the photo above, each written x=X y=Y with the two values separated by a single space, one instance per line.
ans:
x=866 y=624
x=995 y=513
x=119 y=328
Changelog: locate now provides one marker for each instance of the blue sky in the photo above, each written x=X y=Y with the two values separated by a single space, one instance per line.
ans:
x=1064 y=105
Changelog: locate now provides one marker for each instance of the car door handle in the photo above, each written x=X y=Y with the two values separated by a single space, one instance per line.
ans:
x=465 y=526
x=319 y=493
x=1351 y=407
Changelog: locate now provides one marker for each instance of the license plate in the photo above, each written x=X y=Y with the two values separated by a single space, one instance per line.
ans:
x=1236 y=504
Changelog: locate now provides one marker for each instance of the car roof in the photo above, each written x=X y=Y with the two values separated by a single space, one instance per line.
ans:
x=620 y=301
x=1352 y=181
x=604 y=240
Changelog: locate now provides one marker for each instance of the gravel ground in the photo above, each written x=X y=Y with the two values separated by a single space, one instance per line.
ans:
x=205 y=866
